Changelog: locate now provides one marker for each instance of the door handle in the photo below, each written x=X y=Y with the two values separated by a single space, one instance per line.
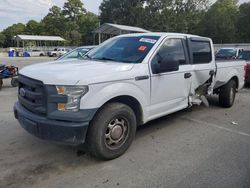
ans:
x=187 y=75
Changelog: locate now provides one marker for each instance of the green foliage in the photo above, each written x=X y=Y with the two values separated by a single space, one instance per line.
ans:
x=2 y=39
x=121 y=11
x=243 y=23
x=87 y=24
x=73 y=9
x=72 y=22
x=33 y=28
x=219 y=22
x=224 y=21
x=154 y=15
x=54 y=22
x=12 y=31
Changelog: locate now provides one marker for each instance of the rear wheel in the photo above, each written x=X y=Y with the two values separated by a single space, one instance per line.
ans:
x=227 y=94
x=112 y=131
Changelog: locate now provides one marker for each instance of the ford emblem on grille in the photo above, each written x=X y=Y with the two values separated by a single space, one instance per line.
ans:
x=22 y=92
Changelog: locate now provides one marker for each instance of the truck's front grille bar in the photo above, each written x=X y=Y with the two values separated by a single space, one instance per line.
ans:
x=31 y=95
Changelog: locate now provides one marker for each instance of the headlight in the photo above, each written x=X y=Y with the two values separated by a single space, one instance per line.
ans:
x=74 y=94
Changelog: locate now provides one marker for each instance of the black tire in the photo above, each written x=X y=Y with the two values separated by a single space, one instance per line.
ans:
x=14 y=82
x=227 y=94
x=41 y=55
x=101 y=138
x=54 y=55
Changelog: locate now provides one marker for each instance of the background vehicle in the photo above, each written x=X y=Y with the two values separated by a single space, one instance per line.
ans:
x=228 y=53
x=246 y=56
x=36 y=53
x=57 y=52
x=125 y=82
x=76 y=53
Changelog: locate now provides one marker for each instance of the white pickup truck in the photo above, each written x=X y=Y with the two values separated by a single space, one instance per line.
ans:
x=125 y=82
x=57 y=52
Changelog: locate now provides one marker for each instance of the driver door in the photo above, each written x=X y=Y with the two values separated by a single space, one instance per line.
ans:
x=170 y=90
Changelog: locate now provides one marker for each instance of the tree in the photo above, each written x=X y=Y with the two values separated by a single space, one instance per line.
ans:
x=10 y=32
x=73 y=9
x=219 y=22
x=125 y=12
x=33 y=28
x=243 y=23
x=72 y=22
x=87 y=24
x=2 y=39
x=155 y=15
x=54 y=22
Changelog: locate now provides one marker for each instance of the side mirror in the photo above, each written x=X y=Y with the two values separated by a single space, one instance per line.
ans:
x=167 y=64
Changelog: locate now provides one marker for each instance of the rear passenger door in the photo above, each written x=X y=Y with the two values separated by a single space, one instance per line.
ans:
x=203 y=61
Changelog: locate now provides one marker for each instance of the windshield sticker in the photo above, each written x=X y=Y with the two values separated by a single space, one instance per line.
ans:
x=142 y=48
x=151 y=41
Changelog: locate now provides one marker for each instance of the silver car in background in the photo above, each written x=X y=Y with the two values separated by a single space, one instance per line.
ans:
x=76 y=53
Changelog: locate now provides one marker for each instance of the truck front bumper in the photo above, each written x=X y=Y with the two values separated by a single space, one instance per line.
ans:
x=60 y=131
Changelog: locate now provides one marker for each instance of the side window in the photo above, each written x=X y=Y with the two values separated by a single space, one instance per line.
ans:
x=171 y=49
x=201 y=52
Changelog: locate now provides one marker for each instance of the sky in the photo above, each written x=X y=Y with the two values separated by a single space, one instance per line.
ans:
x=21 y=11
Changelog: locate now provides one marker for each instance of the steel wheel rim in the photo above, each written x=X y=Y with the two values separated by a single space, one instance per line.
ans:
x=116 y=133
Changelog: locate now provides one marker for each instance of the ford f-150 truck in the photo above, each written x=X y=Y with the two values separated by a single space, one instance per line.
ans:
x=125 y=82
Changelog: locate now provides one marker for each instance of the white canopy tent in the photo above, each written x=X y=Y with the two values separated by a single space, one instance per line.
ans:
x=115 y=29
x=39 y=40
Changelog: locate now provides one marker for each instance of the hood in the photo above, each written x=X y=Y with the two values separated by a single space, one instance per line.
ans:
x=80 y=72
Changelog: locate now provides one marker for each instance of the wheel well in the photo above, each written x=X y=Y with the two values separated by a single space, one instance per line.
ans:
x=132 y=103
x=235 y=78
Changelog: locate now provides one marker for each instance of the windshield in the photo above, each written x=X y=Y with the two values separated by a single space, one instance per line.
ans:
x=226 y=52
x=130 y=49
x=245 y=55
x=77 y=53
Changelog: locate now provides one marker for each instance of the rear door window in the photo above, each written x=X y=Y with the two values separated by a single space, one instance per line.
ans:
x=201 y=51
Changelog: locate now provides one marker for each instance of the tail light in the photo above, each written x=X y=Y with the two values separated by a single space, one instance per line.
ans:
x=247 y=69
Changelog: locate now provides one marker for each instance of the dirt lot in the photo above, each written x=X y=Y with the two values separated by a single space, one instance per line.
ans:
x=201 y=148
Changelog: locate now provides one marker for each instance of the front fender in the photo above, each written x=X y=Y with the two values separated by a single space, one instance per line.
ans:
x=101 y=93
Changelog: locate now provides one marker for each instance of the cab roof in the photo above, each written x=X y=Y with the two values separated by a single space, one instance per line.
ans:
x=163 y=34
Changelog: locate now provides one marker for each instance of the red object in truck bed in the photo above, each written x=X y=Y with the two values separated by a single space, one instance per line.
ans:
x=247 y=72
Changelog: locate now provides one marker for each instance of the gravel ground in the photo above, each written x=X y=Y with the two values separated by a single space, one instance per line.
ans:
x=198 y=148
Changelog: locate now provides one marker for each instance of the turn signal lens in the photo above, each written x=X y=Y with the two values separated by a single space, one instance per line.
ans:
x=61 y=106
x=60 y=90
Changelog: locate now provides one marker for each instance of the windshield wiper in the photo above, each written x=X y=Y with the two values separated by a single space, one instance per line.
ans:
x=106 y=59
x=102 y=58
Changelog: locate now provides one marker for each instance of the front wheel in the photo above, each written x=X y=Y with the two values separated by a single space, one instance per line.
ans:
x=227 y=94
x=14 y=82
x=112 y=131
